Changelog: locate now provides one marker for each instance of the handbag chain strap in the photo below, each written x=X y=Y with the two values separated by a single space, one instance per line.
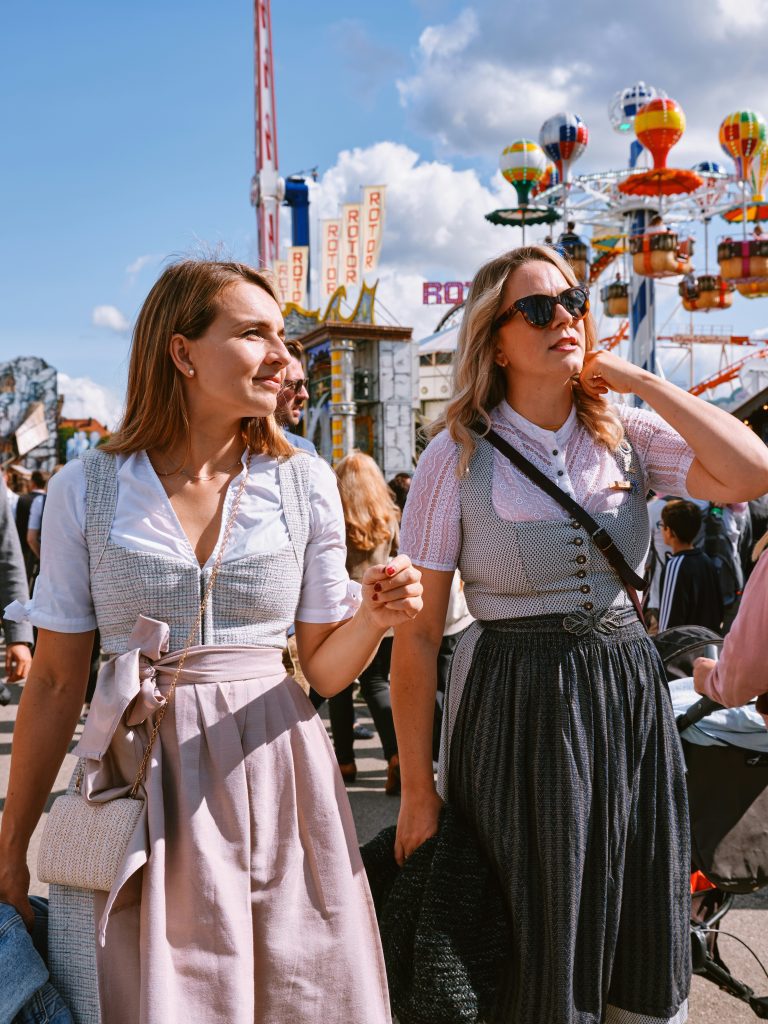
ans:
x=602 y=539
x=191 y=637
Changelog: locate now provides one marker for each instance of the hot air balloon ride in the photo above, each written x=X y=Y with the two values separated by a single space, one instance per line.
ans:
x=745 y=261
x=757 y=210
x=564 y=137
x=606 y=247
x=743 y=137
x=523 y=164
x=742 y=260
x=547 y=180
x=658 y=126
x=659 y=252
x=709 y=291
x=626 y=105
x=615 y=298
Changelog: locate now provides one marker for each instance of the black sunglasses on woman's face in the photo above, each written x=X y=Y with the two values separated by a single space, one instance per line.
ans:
x=539 y=310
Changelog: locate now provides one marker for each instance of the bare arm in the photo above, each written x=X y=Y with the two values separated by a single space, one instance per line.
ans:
x=731 y=461
x=49 y=709
x=333 y=654
x=414 y=684
x=33 y=540
x=740 y=674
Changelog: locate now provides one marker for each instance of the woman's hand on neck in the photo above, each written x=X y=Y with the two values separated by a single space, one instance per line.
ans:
x=545 y=403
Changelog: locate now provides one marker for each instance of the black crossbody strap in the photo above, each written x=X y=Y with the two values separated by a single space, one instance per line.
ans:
x=601 y=537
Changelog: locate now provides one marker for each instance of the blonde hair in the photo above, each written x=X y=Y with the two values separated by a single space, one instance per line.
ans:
x=368 y=503
x=479 y=383
x=183 y=300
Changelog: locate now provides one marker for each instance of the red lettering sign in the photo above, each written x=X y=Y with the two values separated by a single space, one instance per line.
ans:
x=435 y=293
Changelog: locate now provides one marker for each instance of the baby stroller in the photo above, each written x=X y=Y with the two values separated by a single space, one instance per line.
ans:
x=726 y=754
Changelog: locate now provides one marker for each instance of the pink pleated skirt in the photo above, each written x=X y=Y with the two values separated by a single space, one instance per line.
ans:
x=253 y=906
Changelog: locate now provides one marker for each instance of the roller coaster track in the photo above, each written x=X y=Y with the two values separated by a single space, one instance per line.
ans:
x=613 y=340
x=728 y=373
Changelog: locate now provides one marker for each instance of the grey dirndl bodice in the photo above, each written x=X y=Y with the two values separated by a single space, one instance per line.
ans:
x=255 y=597
x=518 y=569
x=521 y=569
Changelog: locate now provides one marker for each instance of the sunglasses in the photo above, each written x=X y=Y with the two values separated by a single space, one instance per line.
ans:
x=296 y=385
x=539 y=310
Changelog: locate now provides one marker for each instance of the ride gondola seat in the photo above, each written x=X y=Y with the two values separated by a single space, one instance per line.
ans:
x=661 y=254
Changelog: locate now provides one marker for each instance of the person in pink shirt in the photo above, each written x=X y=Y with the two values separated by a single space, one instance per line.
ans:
x=742 y=671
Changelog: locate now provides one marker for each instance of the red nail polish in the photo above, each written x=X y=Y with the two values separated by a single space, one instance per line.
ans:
x=390 y=570
x=375 y=597
x=377 y=587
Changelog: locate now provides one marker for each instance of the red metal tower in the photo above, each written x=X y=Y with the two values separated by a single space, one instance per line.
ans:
x=267 y=187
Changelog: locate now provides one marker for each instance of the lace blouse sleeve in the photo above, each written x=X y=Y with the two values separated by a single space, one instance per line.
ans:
x=431 y=529
x=664 y=455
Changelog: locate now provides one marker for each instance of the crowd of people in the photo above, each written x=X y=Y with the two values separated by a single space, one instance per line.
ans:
x=486 y=606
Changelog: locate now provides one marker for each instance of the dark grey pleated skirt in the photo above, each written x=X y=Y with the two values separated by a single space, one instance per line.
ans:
x=565 y=759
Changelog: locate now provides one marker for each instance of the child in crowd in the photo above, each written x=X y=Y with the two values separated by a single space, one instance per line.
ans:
x=690 y=593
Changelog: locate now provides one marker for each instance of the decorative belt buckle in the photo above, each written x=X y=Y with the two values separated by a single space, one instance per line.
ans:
x=621 y=485
x=604 y=622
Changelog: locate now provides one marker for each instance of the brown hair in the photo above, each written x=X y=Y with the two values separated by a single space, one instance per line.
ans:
x=369 y=506
x=479 y=384
x=182 y=301
x=296 y=349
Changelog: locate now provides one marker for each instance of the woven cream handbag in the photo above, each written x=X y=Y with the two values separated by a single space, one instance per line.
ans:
x=84 y=843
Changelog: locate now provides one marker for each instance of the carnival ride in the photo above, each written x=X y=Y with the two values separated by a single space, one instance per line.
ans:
x=645 y=221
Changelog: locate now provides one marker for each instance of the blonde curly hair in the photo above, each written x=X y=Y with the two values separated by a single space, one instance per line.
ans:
x=479 y=383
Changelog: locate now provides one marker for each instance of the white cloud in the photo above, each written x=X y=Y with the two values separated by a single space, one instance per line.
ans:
x=467 y=97
x=83 y=397
x=438 y=41
x=739 y=16
x=109 y=317
x=435 y=227
x=136 y=267
x=468 y=101
x=761 y=334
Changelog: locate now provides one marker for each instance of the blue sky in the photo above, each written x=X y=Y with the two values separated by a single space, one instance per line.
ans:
x=128 y=134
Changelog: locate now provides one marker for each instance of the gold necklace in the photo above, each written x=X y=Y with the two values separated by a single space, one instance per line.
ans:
x=190 y=476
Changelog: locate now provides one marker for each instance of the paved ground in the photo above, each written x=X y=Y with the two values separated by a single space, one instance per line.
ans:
x=374 y=811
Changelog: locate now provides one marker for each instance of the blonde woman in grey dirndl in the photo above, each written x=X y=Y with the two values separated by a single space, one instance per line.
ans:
x=244 y=899
x=559 y=743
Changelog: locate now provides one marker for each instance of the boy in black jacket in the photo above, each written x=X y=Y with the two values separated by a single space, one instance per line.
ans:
x=690 y=592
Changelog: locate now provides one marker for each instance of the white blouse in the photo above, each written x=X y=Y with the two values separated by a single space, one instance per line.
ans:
x=145 y=521
x=431 y=529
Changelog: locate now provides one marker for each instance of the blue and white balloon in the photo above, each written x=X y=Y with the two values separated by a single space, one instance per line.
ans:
x=626 y=103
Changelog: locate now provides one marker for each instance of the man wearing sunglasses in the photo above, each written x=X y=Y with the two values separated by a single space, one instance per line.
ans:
x=291 y=400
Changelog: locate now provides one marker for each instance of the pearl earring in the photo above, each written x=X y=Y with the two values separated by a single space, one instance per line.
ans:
x=191 y=373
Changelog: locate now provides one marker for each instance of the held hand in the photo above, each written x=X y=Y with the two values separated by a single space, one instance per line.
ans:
x=392 y=593
x=702 y=669
x=18 y=661
x=603 y=371
x=416 y=823
x=14 y=886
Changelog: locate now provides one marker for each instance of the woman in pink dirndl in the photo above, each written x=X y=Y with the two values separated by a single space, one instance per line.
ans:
x=242 y=898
